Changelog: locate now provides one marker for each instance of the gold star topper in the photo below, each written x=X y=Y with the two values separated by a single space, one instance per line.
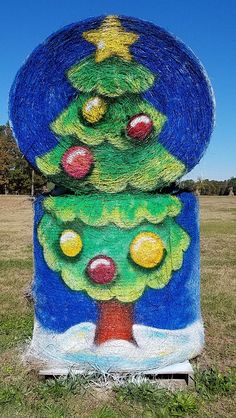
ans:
x=111 y=39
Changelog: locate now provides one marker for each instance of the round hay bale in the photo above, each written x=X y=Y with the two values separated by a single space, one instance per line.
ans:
x=121 y=98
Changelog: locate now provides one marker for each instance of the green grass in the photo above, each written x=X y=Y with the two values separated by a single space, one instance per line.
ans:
x=105 y=412
x=13 y=264
x=15 y=329
x=213 y=262
x=218 y=226
x=212 y=383
x=54 y=397
x=228 y=209
x=24 y=396
x=158 y=402
x=221 y=305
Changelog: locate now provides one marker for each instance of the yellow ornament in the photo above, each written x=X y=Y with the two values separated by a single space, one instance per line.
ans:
x=94 y=109
x=70 y=243
x=111 y=39
x=147 y=249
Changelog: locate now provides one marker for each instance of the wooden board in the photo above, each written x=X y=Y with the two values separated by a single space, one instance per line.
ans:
x=179 y=374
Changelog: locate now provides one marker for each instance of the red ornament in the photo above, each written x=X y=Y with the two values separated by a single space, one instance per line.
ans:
x=77 y=161
x=139 y=126
x=101 y=269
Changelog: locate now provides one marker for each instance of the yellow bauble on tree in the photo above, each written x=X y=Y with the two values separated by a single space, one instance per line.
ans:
x=70 y=243
x=147 y=249
x=94 y=109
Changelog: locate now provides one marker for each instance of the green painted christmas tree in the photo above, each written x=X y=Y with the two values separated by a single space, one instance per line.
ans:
x=111 y=246
x=108 y=134
x=113 y=249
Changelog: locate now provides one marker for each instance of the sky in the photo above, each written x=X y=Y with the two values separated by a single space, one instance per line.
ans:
x=207 y=26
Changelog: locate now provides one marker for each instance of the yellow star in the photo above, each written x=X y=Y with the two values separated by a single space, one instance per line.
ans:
x=111 y=39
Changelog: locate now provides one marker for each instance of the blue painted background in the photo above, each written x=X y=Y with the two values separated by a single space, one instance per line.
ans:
x=41 y=90
x=175 y=306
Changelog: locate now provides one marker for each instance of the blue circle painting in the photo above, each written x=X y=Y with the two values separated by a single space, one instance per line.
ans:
x=180 y=92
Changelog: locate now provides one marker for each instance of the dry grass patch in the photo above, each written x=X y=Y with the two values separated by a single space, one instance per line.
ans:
x=16 y=217
x=218 y=261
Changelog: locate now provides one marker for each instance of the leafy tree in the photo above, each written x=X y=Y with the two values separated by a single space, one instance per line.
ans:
x=8 y=153
x=15 y=172
x=188 y=185
x=232 y=183
x=210 y=187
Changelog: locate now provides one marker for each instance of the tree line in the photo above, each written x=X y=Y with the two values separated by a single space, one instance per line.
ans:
x=18 y=177
x=210 y=187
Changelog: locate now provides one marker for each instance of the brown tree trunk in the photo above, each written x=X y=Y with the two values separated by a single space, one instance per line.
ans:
x=115 y=322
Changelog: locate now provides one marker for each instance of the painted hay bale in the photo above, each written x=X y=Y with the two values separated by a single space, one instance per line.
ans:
x=114 y=110
x=112 y=103
x=116 y=281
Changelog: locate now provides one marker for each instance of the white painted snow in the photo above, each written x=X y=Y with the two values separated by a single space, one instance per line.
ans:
x=156 y=348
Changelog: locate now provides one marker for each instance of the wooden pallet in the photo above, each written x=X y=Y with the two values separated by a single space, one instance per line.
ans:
x=176 y=375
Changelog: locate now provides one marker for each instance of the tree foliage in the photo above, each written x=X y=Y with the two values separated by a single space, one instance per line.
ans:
x=15 y=172
x=210 y=187
x=117 y=158
x=105 y=225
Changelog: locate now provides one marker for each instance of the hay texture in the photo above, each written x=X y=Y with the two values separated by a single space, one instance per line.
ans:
x=114 y=109
x=140 y=318
x=83 y=86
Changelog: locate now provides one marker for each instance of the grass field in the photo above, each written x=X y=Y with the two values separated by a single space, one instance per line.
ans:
x=23 y=395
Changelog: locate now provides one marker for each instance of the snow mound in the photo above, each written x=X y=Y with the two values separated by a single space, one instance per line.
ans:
x=156 y=348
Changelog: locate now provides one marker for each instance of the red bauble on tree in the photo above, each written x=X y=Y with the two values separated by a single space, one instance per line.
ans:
x=101 y=269
x=77 y=162
x=139 y=126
